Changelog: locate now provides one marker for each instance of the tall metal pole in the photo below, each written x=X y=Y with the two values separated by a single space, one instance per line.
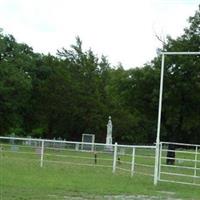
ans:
x=159 y=121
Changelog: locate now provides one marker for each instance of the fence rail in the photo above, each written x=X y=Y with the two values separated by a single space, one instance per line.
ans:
x=183 y=159
x=127 y=158
x=179 y=163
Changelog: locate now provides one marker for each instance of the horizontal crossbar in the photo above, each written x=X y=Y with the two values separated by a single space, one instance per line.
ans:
x=180 y=53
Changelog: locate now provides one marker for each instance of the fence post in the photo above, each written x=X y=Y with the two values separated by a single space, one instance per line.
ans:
x=195 y=164
x=160 y=161
x=133 y=162
x=42 y=154
x=115 y=158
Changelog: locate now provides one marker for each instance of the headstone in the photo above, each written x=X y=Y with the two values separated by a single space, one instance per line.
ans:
x=13 y=147
x=54 y=143
x=12 y=141
x=88 y=138
x=59 y=144
x=64 y=144
x=171 y=155
x=77 y=146
x=28 y=142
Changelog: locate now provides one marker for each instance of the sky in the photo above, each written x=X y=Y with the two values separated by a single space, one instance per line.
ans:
x=122 y=30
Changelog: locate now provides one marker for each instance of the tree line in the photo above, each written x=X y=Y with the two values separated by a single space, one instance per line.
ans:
x=75 y=91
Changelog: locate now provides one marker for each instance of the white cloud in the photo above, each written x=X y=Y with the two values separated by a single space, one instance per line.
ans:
x=121 y=29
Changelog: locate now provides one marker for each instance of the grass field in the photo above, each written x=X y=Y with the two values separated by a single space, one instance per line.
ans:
x=21 y=177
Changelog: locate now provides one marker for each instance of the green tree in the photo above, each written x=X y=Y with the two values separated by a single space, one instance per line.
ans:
x=15 y=85
x=181 y=104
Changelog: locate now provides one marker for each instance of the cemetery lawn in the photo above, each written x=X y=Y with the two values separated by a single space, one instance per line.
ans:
x=25 y=180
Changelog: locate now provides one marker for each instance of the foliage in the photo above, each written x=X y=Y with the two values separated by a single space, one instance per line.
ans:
x=75 y=92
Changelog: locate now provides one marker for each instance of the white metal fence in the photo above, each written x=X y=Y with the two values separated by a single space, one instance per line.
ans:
x=137 y=159
x=132 y=159
x=179 y=163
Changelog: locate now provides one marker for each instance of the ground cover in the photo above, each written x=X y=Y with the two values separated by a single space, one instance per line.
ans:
x=21 y=177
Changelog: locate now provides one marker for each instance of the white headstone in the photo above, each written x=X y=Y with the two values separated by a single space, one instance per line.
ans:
x=77 y=147
x=13 y=147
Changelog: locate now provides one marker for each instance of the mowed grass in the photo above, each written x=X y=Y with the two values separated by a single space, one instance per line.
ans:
x=21 y=177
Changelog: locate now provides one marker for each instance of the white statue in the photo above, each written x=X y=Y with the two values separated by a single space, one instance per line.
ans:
x=109 y=131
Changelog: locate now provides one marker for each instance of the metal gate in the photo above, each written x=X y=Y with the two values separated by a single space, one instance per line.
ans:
x=179 y=163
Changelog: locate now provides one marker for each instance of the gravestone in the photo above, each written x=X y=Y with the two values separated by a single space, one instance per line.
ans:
x=12 y=141
x=88 y=138
x=77 y=146
x=13 y=146
x=64 y=144
x=54 y=143
x=170 y=155
x=28 y=142
x=60 y=144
